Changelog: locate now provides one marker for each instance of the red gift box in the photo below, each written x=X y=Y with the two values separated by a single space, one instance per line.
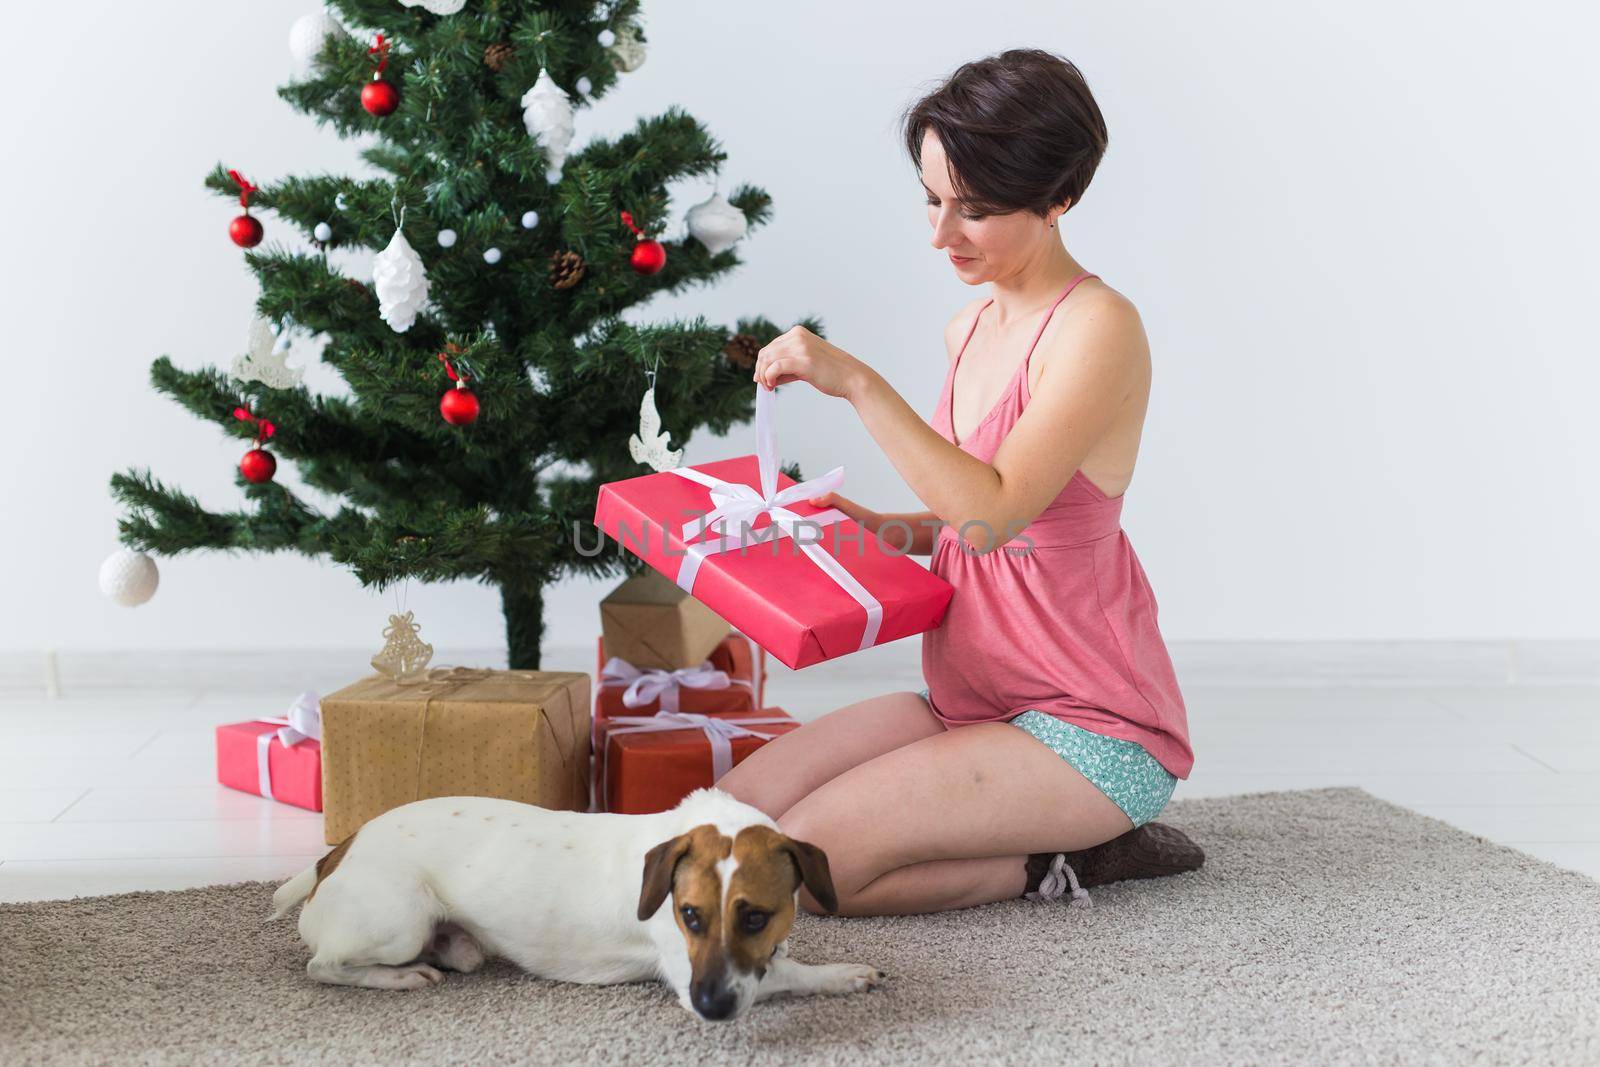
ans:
x=251 y=757
x=845 y=592
x=643 y=770
x=736 y=656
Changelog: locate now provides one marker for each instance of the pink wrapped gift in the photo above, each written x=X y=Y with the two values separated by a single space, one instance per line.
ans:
x=280 y=759
x=805 y=583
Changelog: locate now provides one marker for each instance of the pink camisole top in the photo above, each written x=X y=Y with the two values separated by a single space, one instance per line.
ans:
x=1066 y=626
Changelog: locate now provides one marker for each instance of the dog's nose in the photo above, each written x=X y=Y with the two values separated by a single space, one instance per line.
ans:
x=713 y=1002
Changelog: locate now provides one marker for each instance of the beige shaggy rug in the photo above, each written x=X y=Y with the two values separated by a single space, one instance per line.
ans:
x=1327 y=926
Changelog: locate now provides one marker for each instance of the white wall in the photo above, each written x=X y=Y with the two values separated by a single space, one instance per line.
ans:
x=1360 y=235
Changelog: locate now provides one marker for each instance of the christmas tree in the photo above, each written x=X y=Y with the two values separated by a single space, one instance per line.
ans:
x=492 y=384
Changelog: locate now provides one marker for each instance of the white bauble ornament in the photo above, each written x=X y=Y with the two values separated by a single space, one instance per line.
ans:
x=553 y=176
x=649 y=445
x=265 y=359
x=437 y=7
x=446 y=238
x=547 y=115
x=530 y=219
x=606 y=38
x=583 y=85
x=627 y=51
x=491 y=256
x=716 y=223
x=310 y=32
x=341 y=203
x=322 y=232
x=128 y=577
x=401 y=283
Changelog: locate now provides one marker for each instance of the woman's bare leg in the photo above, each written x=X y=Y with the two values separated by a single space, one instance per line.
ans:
x=776 y=776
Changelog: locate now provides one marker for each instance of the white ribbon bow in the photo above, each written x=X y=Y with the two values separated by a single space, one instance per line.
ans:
x=719 y=732
x=303 y=722
x=739 y=506
x=645 y=686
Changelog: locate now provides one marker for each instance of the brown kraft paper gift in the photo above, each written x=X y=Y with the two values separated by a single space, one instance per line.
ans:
x=517 y=735
x=651 y=623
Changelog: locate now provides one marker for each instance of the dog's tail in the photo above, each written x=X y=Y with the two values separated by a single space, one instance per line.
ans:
x=293 y=892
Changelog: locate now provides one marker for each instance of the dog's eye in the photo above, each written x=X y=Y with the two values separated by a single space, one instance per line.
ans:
x=691 y=917
x=755 y=921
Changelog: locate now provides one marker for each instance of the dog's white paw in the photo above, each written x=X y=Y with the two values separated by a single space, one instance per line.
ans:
x=416 y=976
x=849 y=978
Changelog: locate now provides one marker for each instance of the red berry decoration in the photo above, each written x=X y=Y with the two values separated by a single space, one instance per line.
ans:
x=378 y=96
x=648 y=255
x=459 y=406
x=258 y=465
x=245 y=230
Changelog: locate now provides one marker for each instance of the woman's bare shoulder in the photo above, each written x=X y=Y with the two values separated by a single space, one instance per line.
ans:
x=956 y=330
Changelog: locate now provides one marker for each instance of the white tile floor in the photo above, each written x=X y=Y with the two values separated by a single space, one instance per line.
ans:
x=112 y=787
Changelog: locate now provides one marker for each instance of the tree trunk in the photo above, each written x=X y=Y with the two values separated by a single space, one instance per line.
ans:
x=524 y=611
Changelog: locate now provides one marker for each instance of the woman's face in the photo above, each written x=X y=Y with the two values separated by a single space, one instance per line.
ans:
x=983 y=247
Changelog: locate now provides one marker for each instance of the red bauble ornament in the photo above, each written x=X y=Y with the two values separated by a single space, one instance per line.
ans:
x=648 y=256
x=459 y=406
x=380 y=98
x=258 y=465
x=245 y=231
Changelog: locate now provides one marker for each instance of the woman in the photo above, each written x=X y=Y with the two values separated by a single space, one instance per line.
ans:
x=1052 y=730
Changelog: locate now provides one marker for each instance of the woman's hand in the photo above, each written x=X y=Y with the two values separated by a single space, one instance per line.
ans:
x=802 y=356
x=868 y=518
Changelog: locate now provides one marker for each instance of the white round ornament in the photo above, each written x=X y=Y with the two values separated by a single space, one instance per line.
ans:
x=491 y=256
x=341 y=203
x=437 y=7
x=553 y=176
x=323 y=232
x=607 y=38
x=446 y=238
x=401 y=283
x=627 y=52
x=547 y=116
x=530 y=219
x=310 y=32
x=128 y=577
x=716 y=224
x=583 y=85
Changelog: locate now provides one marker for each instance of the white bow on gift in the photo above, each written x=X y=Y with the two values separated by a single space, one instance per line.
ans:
x=736 y=507
x=646 y=686
x=303 y=722
x=719 y=732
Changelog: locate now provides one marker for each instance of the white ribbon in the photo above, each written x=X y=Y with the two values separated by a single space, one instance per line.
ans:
x=719 y=732
x=303 y=722
x=646 y=686
x=738 y=505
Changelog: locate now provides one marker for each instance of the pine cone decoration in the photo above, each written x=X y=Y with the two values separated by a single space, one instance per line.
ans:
x=741 y=350
x=496 y=56
x=566 y=269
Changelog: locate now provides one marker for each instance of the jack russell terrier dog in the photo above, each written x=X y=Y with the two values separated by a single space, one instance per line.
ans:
x=451 y=881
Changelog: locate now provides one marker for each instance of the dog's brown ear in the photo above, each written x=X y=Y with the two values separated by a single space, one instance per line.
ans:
x=660 y=864
x=812 y=863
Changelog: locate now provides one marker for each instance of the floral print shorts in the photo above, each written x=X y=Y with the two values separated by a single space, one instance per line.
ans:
x=1122 y=770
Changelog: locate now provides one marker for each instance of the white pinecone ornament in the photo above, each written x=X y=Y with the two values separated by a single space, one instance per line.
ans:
x=716 y=224
x=128 y=577
x=547 y=115
x=401 y=283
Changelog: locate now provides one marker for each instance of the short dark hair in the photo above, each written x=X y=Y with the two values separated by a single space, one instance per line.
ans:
x=1020 y=129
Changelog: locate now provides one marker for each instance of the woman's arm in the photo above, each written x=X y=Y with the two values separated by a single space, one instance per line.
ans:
x=1093 y=363
x=923 y=525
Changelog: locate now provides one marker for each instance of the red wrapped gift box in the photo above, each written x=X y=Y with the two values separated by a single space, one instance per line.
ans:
x=252 y=758
x=803 y=604
x=736 y=656
x=651 y=770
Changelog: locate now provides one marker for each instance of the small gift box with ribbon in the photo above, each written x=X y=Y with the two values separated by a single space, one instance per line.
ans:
x=454 y=731
x=280 y=759
x=807 y=584
x=651 y=623
x=648 y=763
x=732 y=679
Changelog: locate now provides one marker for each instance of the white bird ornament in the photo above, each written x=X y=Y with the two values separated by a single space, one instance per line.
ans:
x=649 y=445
